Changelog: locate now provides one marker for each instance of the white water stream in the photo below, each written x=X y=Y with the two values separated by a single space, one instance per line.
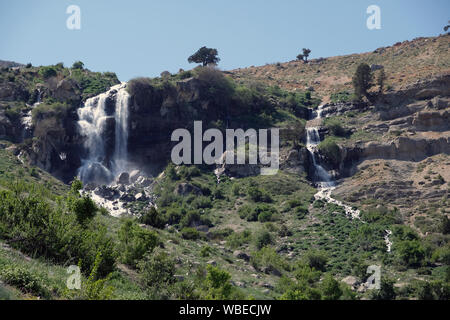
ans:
x=325 y=181
x=93 y=120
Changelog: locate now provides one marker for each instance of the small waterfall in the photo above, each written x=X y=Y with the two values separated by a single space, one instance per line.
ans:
x=324 y=180
x=93 y=121
x=321 y=176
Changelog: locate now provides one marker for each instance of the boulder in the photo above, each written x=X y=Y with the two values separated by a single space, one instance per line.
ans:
x=241 y=255
x=124 y=178
x=351 y=281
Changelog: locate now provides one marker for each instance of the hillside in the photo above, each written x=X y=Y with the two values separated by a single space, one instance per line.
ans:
x=404 y=63
x=361 y=182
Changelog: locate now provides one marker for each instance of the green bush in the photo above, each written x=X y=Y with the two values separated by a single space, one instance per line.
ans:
x=410 y=252
x=330 y=150
x=135 y=242
x=330 y=287
x=190 y=234
x=153 y=218
x=335 y=127
x=157 y=270
x=35 y=227
x=47 y=72
x=262 y=239
x=23 y=279
x=316 y=259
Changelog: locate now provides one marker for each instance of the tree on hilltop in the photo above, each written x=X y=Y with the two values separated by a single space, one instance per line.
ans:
x=205 y=56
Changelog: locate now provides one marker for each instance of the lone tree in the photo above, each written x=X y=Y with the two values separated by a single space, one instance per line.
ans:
x=381 y=77
x=304 y=56
x=362 y=80
x=78 y=65
x=205 y=56
x=447 y=27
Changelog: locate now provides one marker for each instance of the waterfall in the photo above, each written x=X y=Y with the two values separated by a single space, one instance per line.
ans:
x=121 y=132
x=324 y=180
x=93 y=121
x=321 y=176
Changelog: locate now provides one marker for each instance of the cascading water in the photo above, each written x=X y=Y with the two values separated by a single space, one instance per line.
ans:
x=93 y=120
x=121 y=132
x=321 y=176
x=324 y=180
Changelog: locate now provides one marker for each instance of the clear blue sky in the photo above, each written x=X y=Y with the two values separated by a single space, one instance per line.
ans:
x=145 y=37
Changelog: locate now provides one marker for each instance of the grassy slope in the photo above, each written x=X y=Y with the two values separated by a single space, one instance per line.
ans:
x=404 y=63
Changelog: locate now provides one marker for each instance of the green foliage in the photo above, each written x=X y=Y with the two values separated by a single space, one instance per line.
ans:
x=78 y=65
x=47 y=72
x=444 y=226
x=76 y=186
x=335 y=127
x=205 y=56
x=258 y=195
x=330 y=287
x=217 y=285
x=262 y=239
x=410 y=252
x=95 y=288
x=23 y=279
x=135 y=242
x=330 y=149
x=259 y=212
x=171 y=173
x=386 y=291
x=153 y=218
x=190 y=233
x=268 y=258
x=362 y=80
x=238 y=239
x=84 y=208
x=157 y=270
x=316 y=259
x=35 y=227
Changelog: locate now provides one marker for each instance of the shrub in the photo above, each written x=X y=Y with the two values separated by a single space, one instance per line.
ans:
x=267 y=257
x=362 y=80
x=237 y=239
x=257 y=195
x=24 y=280
x=330 y=288
x=263 y=239
x=386 y=291
x=335 y=127
x=410 y=252
x=135 y=242
x=84 y=208
x=47 y=72
x=153 y=218
x=330 y=150
x=217 y=285
x=157 y=270
x=78 y=65
x=316 y=259
x=190 y=233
